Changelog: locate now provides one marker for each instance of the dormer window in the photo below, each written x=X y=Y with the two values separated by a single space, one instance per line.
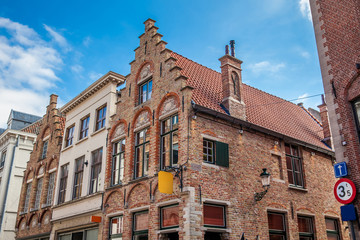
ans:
x=145 y=91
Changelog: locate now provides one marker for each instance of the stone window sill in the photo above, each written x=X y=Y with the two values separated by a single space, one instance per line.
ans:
x=81 y=140
x=98 y=131
x=66 y=148
x=301 y=189
x=169 y=230
x=215 y=229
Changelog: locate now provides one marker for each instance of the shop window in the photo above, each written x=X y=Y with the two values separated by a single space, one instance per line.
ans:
x=44 y=150
x=27 y=197
x=116 y=228
x=95 y=170
x=38 y=193
x=50 y=189
x=63 y=182
x=78 y=177
x=118 y=160
x=294 y=165
x=169 y=217
x=277 y=226
x=69 y=136
x=140 y=225
x=306 y=228
x=356 y=107
x=332 y=229
x=88 y=234
x=214 y=215
x=142 y=153
x=216 y=153
x=145 y=91
x=169 y=142
x=100 y=118
x=84 y=127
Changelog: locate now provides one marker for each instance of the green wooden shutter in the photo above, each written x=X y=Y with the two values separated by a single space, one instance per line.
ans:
x=222 y=154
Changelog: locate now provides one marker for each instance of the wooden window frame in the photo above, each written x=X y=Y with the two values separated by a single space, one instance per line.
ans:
x=139 y=232
x=275 y=231
x=116 y=235
x=356 y=115
x=64 y=172
x=224 y=215
x=148 y=94
x=169 y=133
x=84 y=129
x=3 y=158
x=78 y=177
x=161 y=216
x=69 y=136
x=121 y=164
x=44 y=149
x=27 y=196
x=294 y=158
x=337 y=226
x=50 y=188
x=142 y=146
x=95 y=166
x=39 y=186
x=311 y=234
x=100 y=118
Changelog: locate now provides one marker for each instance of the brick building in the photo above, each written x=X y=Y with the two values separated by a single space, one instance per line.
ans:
x=37 y=191
x=16 y=143
x=337 y=31
x=175 y=113
x=80 y=179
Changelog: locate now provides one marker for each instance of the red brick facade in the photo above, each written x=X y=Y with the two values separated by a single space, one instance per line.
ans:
x=35 y=221
x=194 y=93
x=337 y=30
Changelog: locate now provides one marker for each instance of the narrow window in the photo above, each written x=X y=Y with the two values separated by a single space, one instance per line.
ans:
x=100 y=118
x=50 y=190
x=27 y=197
x=63 y=182
x=332 y=229
x=118 y=162
x=169 y=142
x=78 y=177
x=69 y=136
x=95 y=170
x=140 y=226
x=294 y=165
x=216 y=153
x=145 y=91
x=38 y=193
x=214 y=215
x=3 y=157
x=356 y=107
x=84 y=127
x=169 y=217
x=277 y=227
x=44 y=150
x=306 y=228
x=116 y=228
x=142 y=153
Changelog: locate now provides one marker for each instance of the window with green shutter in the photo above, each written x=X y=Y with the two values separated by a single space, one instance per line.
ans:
x=216 y=153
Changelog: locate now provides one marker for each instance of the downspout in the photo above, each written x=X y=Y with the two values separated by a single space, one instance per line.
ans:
x=8 y=182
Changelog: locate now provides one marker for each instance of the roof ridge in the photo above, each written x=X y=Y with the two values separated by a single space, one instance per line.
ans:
x=312 y=116
x=196 y=62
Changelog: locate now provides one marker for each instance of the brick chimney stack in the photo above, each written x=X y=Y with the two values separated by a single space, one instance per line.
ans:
x=325 y=122
x=232 y=83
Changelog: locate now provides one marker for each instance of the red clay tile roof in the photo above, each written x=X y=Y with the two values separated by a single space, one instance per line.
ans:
x=262 y=109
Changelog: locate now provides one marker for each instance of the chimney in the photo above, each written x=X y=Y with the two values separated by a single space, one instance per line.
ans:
x=325 y=122
x=232 y=84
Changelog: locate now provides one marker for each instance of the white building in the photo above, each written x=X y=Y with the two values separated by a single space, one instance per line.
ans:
x=81 y=175
x=15 y=149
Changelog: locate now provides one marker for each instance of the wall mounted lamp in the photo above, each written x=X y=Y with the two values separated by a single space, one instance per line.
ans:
x=265 y=180
x=86 y=162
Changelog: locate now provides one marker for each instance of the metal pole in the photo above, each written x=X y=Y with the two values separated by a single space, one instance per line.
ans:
x=352 y=230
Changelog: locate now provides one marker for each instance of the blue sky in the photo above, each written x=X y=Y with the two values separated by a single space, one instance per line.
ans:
x=63 y=46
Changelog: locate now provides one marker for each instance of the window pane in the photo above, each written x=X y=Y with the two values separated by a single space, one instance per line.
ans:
x=276 y=221
x=175 y=147
x=305 y=224
x=170 y=216
x=276 y=237
x=331 y=224
x=214 y=215
x=92 y=234
x=149 y=90
x=141 y=221
x=117 y=225
x=146 y=158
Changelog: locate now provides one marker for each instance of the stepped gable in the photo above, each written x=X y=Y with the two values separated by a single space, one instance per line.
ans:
x=262 y=109
x=34 y=127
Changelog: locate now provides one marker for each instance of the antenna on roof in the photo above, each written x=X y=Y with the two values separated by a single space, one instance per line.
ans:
x=232 y=47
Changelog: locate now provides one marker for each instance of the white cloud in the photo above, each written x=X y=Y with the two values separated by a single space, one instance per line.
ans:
x=305 y=54
x=27 y=70
x=58 y=38
x=266 y=67
x=94 y=76
x=305 y=9
x=87 y=41
x=302 y=98
x=77 y=68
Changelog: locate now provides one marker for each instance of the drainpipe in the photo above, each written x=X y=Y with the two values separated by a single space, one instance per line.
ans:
x=8 y=182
